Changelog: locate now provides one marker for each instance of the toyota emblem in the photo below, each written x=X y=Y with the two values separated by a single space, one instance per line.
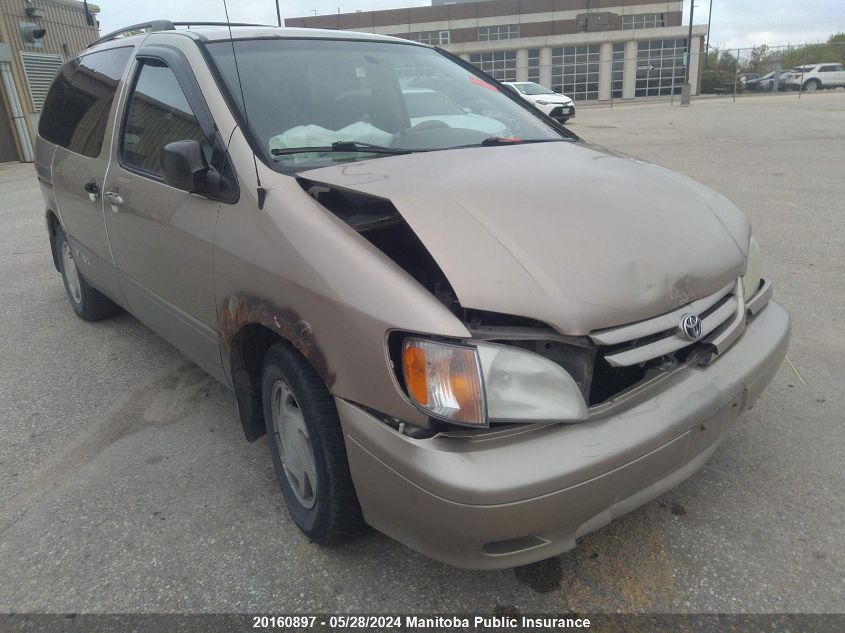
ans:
x=690 y=326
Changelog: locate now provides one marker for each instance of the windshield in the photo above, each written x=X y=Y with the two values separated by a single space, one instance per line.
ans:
x=533 y=89
x=308 y=93
x=429 y=103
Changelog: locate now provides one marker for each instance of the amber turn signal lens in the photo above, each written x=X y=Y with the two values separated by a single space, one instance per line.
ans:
x=415 y=374
x=445 y=380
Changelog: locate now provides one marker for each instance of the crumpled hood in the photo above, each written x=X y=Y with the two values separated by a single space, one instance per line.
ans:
x=562 y=232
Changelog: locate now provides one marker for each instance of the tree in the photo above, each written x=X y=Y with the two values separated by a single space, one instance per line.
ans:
x=721 y=69
x=758 y=60
x=831 y=51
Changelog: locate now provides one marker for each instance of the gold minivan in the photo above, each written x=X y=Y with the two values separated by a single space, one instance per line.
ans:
x=455 y=320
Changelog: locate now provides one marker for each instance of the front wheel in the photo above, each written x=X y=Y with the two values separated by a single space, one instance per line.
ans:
x=307 y=447
x=812 y=85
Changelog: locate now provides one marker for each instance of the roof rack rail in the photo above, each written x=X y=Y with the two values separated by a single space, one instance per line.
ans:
x=154 y=25
x=163 y=25
x=190 y=24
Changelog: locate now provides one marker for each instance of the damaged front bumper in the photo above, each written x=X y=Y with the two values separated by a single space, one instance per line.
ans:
x=514 y=496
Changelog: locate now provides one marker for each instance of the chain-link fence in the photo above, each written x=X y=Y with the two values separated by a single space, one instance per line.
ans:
x=775 y=69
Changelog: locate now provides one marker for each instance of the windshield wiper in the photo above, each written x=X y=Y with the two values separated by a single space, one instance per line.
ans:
x=509 y=140
x=341 y=146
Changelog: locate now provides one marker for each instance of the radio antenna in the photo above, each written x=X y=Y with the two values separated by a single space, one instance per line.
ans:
x=262 y=192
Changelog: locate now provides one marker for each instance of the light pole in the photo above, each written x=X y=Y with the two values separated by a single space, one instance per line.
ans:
x=707 y=43
x=689 y=41
x=686 y=89
x=278 y=14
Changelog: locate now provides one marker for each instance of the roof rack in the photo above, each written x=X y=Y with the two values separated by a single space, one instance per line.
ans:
x=163 y=25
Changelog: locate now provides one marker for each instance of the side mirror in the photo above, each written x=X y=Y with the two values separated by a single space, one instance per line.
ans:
x=183 y=165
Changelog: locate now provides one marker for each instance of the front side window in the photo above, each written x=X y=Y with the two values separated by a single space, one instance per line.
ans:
x=76 y=109
x=309 y=93
x=158 y=113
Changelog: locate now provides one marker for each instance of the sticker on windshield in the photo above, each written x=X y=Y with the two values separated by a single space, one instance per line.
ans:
x=360 y=72
x=480 y=82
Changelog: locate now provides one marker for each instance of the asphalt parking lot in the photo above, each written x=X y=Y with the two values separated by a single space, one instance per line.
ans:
x=126 y=484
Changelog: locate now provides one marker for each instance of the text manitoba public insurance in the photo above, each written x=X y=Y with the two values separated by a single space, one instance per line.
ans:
x=496 y=622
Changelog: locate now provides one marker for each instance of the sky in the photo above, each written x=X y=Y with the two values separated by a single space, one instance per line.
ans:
x=735 y=23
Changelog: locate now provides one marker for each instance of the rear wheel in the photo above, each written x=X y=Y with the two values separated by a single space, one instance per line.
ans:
x=307 y=447
x=88 y=303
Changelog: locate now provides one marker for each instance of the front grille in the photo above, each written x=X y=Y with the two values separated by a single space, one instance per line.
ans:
x=608 y=381
x=609 y=362
x=722 y=318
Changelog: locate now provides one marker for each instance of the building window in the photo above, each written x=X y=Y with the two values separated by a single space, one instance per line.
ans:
x=500 y=64
x=617 y=70
x=534 y=65
x=643 y=21
x=660 y=67
x=434 y=38
x=498 y=32
x=575 y=71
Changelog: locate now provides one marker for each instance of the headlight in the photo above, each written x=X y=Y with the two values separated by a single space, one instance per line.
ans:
x=753 y=270
x=525 y=387
x=543 y=102
x=485 y=382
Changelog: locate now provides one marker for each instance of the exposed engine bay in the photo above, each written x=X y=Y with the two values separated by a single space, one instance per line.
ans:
x=378 y=220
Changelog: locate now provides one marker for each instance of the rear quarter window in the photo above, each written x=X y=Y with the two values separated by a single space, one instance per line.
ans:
x=50 y=125
x=77 y=108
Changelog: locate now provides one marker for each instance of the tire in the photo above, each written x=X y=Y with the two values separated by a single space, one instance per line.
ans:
x=307 y=447
x=87 y=302
x=811 y=85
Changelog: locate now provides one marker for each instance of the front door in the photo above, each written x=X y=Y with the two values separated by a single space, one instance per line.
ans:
x=162 y=237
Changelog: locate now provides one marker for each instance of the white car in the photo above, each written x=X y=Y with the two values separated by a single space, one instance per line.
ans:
x=817 y=76
x=557 y=106
x=429 y=106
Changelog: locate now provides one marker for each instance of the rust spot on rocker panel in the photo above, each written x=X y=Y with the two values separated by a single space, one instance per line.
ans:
x=240 y=311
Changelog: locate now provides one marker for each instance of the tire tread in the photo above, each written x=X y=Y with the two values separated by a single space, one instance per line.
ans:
x=340 y=515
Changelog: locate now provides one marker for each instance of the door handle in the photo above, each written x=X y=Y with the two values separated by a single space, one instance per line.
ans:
x=92 y=190
x=114 y=198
